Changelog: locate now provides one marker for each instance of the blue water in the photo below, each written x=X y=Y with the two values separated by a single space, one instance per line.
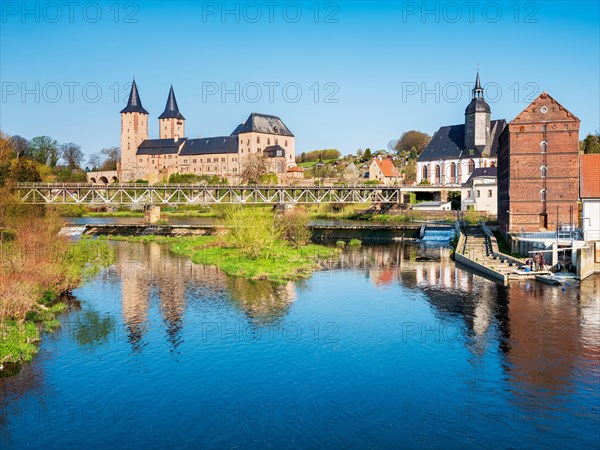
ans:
x=392 y=348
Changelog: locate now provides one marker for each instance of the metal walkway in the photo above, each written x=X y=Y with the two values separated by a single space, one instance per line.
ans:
x=143 y=194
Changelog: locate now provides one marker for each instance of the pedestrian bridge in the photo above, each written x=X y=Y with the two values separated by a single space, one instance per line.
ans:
x=173 y=194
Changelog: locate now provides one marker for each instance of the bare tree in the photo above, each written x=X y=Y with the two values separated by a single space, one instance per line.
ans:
x=20 y=145
x=255 y=166
x=72 y=155
x=95 y=161
x=112 y=155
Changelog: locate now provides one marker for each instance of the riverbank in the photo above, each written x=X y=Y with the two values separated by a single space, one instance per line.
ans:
x=279 y=263
x=38 y=270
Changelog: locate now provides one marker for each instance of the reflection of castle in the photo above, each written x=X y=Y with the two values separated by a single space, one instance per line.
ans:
x=151 y=275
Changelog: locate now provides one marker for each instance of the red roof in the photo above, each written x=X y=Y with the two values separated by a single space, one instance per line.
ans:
x=295 y=169
x=387 y=167
x=590 y=175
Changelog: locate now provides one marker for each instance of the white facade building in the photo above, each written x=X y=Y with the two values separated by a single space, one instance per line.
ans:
x=480 y=192
x=455 y=151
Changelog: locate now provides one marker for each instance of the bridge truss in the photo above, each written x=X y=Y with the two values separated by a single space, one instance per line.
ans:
x=140 y=194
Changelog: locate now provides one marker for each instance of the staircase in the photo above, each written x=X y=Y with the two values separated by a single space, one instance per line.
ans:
x=477 y=250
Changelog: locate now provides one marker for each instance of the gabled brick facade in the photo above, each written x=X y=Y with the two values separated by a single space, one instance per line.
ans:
x=538 y=168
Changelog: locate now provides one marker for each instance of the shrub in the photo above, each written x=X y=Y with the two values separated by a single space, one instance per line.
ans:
x=253 y=231
x=294 y=227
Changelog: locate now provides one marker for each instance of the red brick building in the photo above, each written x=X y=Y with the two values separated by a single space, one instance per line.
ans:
x=538 y=168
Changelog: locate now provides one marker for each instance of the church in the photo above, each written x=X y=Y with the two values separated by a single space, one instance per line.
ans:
x=155 y=160
x=455 y=151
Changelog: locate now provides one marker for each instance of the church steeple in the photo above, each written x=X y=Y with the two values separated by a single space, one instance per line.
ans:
x=171 y=109
x=477 y=90
x=135 y=103
x=477 y=120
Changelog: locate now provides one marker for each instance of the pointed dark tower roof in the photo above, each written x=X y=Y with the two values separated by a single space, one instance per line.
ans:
x=134 y=104
x=171 y=109
x=478 y=104
x=477 y=90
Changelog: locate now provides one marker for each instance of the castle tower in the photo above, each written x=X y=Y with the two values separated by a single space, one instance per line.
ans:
x=134 y=130
x=171 y=122
x=477 y=119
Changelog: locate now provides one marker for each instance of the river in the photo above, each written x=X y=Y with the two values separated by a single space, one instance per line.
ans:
x=390 y=347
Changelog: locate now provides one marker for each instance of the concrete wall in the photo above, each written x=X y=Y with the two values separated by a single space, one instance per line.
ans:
x=590 y=214
x=584 y=258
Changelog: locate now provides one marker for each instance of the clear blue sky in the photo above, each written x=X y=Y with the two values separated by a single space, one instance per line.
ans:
x=369 y=56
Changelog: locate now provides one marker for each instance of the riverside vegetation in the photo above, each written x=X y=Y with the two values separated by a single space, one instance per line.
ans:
x=38 y=267
x=257 y=244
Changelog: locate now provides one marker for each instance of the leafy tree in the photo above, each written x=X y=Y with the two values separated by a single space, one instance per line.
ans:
x=410 y=171
x=72 y=155
x=269 y=178
x=368 y=154
x=591 y=144
x=24 y=170
x=412 y=141
x=255 y=166
x=319 y=155
x=112 y=156
x=44 y=150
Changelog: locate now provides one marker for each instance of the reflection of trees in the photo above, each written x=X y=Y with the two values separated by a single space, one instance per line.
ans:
x=91 y=329
x=265 y=303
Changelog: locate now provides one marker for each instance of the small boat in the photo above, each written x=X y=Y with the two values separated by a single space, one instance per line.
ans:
x=548 y=279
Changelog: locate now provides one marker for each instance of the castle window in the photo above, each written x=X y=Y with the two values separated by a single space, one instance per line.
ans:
x=285 y=143
x=478 y=193
x=424 y=173
x=222 y=159
x=276 y=142
x=489 y=192
x=543 y=146
x=471 y=166
x=543 y=169
x=268 y=141
x=194 y=161
x=258 y=139
x=248 y=142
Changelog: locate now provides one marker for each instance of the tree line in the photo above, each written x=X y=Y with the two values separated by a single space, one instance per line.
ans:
x=44 y=159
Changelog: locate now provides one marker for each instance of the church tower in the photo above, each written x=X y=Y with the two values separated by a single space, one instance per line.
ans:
x=477 y=119
x=171 y=122
x=134 y=130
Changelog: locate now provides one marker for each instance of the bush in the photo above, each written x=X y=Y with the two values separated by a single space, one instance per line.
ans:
x=253 y=231
x=294 y=227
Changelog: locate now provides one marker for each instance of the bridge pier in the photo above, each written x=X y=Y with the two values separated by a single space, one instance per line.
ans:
x=151 y=214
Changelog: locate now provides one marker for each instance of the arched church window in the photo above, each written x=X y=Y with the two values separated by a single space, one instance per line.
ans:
x=471 y=166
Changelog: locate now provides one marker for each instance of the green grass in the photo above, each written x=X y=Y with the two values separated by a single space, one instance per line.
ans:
x=18 y=341
x=284 y=262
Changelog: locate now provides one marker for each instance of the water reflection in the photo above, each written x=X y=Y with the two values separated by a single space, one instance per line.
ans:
x=525 y=343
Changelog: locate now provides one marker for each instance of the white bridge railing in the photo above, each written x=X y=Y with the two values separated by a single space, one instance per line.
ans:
x=143 y=194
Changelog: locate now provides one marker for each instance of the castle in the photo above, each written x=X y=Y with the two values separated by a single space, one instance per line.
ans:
x=173 y=153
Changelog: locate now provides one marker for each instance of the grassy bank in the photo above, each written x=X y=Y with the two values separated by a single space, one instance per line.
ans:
x=37 y=268
x=282 y=262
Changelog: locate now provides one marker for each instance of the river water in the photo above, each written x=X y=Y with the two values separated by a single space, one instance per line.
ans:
x=390 y=347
